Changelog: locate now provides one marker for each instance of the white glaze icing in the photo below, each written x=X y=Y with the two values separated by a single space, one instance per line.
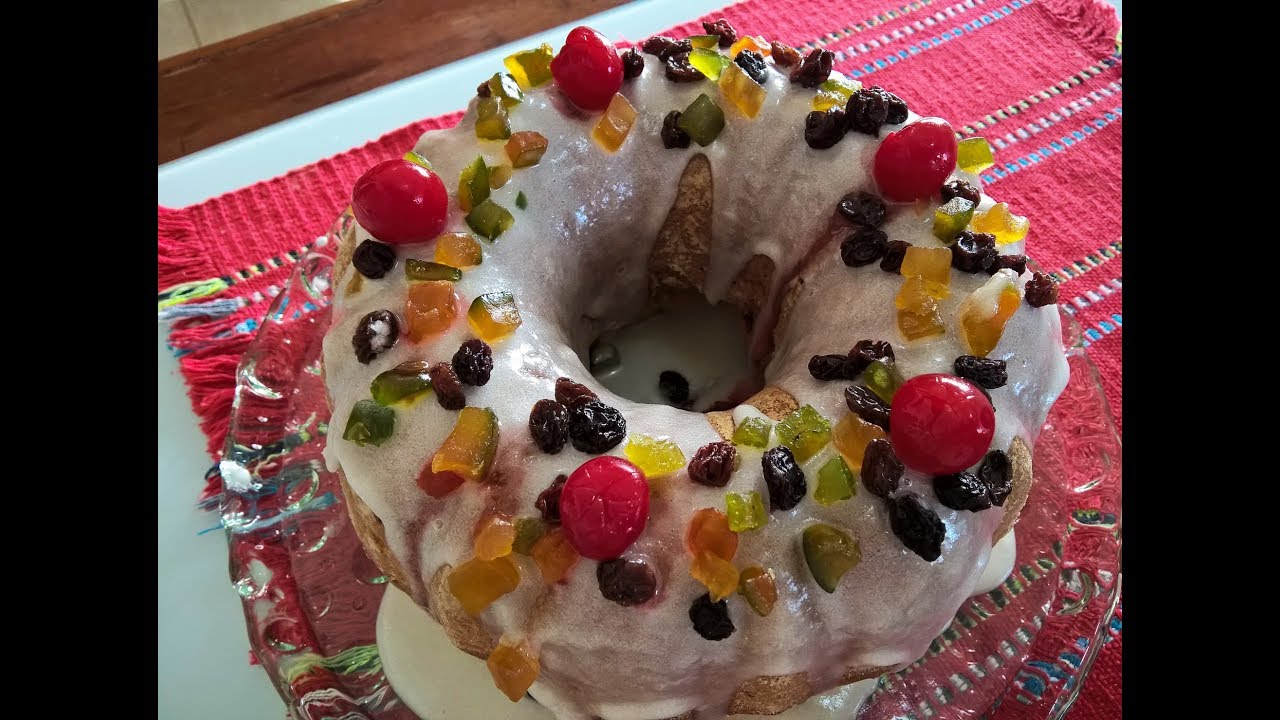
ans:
x=575 y=260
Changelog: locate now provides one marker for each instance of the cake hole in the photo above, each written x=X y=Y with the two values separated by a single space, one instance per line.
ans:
x=687 y=353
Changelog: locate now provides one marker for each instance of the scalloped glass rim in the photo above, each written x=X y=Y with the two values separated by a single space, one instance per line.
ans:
x=311 y=595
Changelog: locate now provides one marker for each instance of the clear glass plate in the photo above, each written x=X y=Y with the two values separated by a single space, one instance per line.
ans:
x=311 y=595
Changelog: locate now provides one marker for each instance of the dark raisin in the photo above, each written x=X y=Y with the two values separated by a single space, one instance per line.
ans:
x=827 y=367
x=548 y=502
x=1041 y=290
x=723 y=30
x=897 y=107
x=894 y=253
x=679 y=69
x=595 y=427
x=872 y=350
x=824 y=129
x=713 y=464
x=673 y=387
x=784 y=55
x=959 y=188
x=962 y=491
x=863 y=208
x=375 y=334
x=672 y=136
x=863 y=247
x=484 y=90
x=867 y=110
x=473 y=362
x=626 y=582
x=711 y=619
x=973 y=252
x=570 y=393
x=752 y=63
x=373 y=259
x=549 y=425
x=815 y=69
x=632 y=64
x=866 y=405
x=664 y=47
x=447 y=386
x=996 y=474
x=1016 y=263
x=917 y=526
x=881 y=468
x=988 y=373
x=784 y=478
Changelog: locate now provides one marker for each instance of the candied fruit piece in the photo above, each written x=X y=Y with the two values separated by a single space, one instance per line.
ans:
x=915 y=326
x=615 y=124
x=835 y=92
x=526 y=148
x=746 y=511
x=403 y=383
x=490 y=219
x=746 y=42
x=528 y=530
x=504 y=87
x=953 y=217
x=709 y=62
x=709 y=532
x=852 y=436
x=495 y=537
x=974 y=155
x=555 y=556
x=829 y=553
x=704 y=41
x=458 y=250
x=437 y=486
x=654 y=456
x=804 y=432
x=492 y=121
x=421 y=270
x=417 y=159
x=430 y=308
x=746 y=94
x=531 y=68
x=930 y=263
x=752 y=432
x=702 y=121
x=468 y=451
x=760 y=589
x=514 y=668
x=499 y=175
x=984 y=313
x=882 y=379
x=919 y=295
x=718 y=574
x=477 y=583
x=522 y=202
x=494 y=316
x=1007 y=227
x=835 y=481
x=369 y=423
x=473 y=184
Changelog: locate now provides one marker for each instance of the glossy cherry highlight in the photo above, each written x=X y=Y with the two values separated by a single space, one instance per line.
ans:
x=912 y=163
x=942 y=424
x=604 y=507
x=400 y=202
x=588 y=69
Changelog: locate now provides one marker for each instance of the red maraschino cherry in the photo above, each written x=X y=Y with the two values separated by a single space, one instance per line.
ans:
x=941 y=424
x=400 y=202
x=588 y=69
x=604 y=506
x=912 y=163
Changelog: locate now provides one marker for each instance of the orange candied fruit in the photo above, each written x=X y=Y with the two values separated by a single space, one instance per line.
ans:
x=430 y=308
x=718 y=574
x=709 y=531
x=468 y=451
x=554 y=556
x=1007 y=227
x=984 y=313
x=477 y=583
x=917 y=304
x=759 y=588
x=494 y=316
x=615 y=124
x=746 y=94
x=514 y=668
x=930 y=263
x=458 y=250
x=526 y=148
x=747 y=42
x=852 y=435
x=494 y=537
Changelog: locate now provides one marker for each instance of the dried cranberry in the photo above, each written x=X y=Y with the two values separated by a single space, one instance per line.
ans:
x=672 y=136
x=570 y=393
x=673 y=387
x=784 y=56
x=997 y=475
x=626 y=582
x=897 y=107
x=375 y=334
x=679 y=69
x=1041 y=290
x=986 y=372
x=664 y=47
x=962 y=491
x=373 y=259
x=827 y=367
x=713 y=464
x=866 y=405
x=917 y=526
x=863 y=208
x=752 y=63
x=711 y=619
x=1016 y=263
x=973 y=252
x=881 y=468
x=784 y=478
x=548 y=502
x=473 y=362
x=815 y=69
x=863 y=247
x=824 y=129
x=894 y=253
x=723 y=30
x=595 y=427
x=447 y=386
x=867 y=110
x=632 y=64
x=549 y=425
x=959 y=188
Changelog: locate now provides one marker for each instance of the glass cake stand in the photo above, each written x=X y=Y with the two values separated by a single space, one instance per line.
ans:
x=311 y=596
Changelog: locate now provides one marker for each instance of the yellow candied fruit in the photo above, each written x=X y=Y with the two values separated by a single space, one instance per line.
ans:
x=709 y=532
x=495 y=537
x=531 y=68
x=835 y=92
x=615 y=124
x=554 y=556
x=417 y=159
x=920 y=295
x=494 y=316
x=458 y=250
x=974 y=155
x=719 y=575
x=1007 y=227
x=514 y=668
x=930 y=263
x=852 y=435
x=477 y=583
x=984 y=313
x=747 y=42
x=746 y=94
x=499 y=176
x=526 y=148
x=916 y=326
x=760 y=589
x=654 y=456
x=469 y=449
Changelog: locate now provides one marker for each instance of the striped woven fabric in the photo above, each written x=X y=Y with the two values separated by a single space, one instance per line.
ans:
x=1040 y=79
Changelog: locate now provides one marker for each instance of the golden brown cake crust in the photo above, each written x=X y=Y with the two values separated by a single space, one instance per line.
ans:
x=1020 y=467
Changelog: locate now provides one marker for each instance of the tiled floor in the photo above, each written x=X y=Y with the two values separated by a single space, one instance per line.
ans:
x=188 y=24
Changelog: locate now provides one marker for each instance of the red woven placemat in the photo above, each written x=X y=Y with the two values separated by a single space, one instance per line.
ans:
x=1040 y=79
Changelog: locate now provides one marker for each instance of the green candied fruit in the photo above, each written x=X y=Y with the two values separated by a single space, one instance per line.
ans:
x=974 y=155
x=704 y=41
x=503 y=85
x=835 y=93
x=830 y=553
x=702 y=120
x=417 y=159
x=528 y=530
x=492 y=121
x=426 y=270
x=522 y=202
x=835 y=482
x=369 y=423
x=403 y=383
x=531 y=68
x=804 y=432
x=882 y=379
x=745 y=510
x=752 y=432
x=950 y=219
x=709 y=63
x=473 y=184
x=489 y=219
